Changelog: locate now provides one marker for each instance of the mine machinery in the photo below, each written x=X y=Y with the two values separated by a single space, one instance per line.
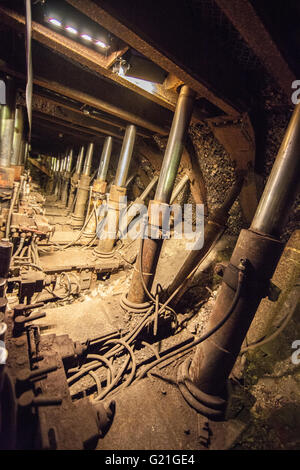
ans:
x=149 y=226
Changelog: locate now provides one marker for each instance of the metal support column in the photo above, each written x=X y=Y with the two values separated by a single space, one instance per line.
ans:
x=83 y=189
x=75 y=177
x=99 y=188
x=151 y=247
x=214 y=227
x=117 y=192
x=246 y=280
x=17 y=161
x=66 y=178
x=7 y=122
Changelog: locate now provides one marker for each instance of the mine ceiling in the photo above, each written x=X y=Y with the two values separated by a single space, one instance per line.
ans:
x=99 y=65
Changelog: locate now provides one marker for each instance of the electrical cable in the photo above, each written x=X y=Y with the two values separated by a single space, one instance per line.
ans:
x=277 y=332
x=207 y=334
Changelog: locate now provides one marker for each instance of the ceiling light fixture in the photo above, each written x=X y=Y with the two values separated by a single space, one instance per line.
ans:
x=71 y=30
x=101 y=44
x=144 y=84
x=86 y=37
x=55 y=22
x=120 y=67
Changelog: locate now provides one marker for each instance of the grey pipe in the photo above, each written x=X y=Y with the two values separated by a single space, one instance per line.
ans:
x=11 y=208
x=179 y=188
x=105 y=158
x=61 y=166
x=125 y=156
x=57 y=165
x=65 y=162
x=80 y=160
x=282 y=182
x=88 y=160
x=17 y=146
x=7 y=122
x=149 y=188
x=69 y=161
x=129 y=180
x=180 y=124
x=25 y=154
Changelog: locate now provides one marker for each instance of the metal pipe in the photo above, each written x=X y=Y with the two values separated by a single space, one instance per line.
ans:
x=26 y=152
x=18 y=136
x=99 y=188
x=65 y=162
x=61 y=166
x=57 y=165
x=129 y=180
x=11 y=208
x=79 y=161
x=75 y=177
x=125 y=156
x=83 y=189
x=172 y=157
x=88 y=160
x=140 y=199
x=179 y=188
x=69 y=161
x=66 y=177
x=277 y=192
x=117 y=192
x=148 y=189
x=252 y=265
x=7 y=121
x=180 y=123
x=105 y=158
x=215 y=226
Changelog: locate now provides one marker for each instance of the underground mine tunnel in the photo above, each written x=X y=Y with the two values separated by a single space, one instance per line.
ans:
x=149 y=225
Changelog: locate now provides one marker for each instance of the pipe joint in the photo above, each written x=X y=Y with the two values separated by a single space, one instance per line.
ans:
x=116 y=196
x=99 y=186
x=158 y=213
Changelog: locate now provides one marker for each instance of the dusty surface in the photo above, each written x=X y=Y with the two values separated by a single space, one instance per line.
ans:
x=151 y=413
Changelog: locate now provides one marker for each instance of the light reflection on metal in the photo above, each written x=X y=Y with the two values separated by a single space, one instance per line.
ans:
x=55 y=22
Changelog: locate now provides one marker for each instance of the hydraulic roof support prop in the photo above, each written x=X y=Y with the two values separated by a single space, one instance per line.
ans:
x=214 y=228
x=117 y=193
x=246 y=281
x=75 y=178
x=172 y=157
x=66 y=178
x=52 y=184
x=60 y=176
x=57 y=177
x=83 y=189
x=99 y=188
x=7 y=122
x=17 y=159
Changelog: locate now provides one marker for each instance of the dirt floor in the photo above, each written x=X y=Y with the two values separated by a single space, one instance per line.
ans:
x=264 y=411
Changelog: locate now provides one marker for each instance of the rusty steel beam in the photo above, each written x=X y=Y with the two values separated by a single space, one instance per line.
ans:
x=100 y=104
x=244 y=18
x=51 y=110
x=99 y=13
x=60 y=122
x=91 y=116
x=91 y=101
x=66 y=128
x=40 y=166
x=85 y=56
